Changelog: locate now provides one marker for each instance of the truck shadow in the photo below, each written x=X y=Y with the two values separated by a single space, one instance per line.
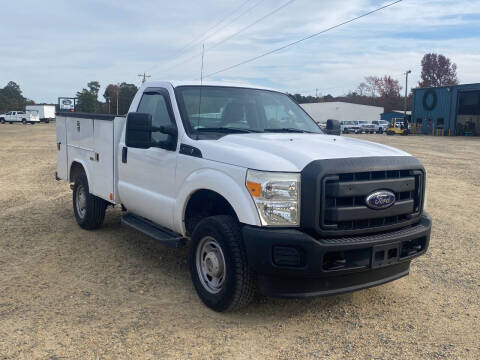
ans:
x=146 y=263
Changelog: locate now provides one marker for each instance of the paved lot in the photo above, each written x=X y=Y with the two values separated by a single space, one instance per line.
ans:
x=113 y=293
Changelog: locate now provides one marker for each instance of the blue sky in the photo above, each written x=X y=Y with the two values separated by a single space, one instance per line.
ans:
x=53 y=48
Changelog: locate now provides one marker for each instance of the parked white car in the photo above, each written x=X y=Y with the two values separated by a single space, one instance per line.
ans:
x=366 y=127
x=349 y=126
x=264 y=198
x=25 y=117
x=380 y=126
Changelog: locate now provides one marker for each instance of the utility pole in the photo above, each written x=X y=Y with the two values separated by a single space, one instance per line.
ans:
x=405 y=122
x=144 y=76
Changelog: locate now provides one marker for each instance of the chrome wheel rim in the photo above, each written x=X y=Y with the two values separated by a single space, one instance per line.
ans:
x=81 y=201
x=211 y=267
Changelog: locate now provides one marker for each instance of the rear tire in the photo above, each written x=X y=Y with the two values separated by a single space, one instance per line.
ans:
x=380 y=131
x=390 y=132
x=218 y=264
x=2 y=121
x=89 y=209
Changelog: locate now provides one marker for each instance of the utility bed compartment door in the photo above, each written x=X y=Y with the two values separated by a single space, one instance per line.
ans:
x=101 y=161
x=62 y=164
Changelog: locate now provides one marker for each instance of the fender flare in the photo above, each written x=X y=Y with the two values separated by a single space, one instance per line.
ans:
x=209 y=179
x=85 y=169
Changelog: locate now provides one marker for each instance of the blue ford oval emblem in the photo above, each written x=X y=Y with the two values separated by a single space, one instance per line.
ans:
x=379 y=200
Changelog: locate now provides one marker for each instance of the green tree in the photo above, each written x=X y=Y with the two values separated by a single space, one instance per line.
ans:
x=11 y=98
x=87 y=100
x=124 y=93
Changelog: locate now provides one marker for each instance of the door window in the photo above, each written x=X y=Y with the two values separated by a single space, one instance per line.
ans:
x=156 y=104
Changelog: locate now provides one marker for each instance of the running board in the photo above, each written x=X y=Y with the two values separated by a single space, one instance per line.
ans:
x=161 y=235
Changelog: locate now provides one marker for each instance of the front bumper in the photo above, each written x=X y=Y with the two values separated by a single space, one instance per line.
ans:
x=291 y=263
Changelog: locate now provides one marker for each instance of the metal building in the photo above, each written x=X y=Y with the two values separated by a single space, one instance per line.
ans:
x=341 y=111
x=447 y=110
x=395 y=114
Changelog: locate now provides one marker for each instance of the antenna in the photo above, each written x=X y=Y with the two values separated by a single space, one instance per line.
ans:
x=201 y=85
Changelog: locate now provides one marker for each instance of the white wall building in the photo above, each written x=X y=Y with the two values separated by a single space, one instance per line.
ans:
x=337 y=110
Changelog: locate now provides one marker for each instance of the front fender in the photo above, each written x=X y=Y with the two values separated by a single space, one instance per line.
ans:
x=232 y=189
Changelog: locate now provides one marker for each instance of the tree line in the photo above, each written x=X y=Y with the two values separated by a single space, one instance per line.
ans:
x=437 y=70
x=11 y=98
x=117 y=98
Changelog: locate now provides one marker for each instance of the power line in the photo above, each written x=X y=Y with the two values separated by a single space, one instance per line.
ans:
x=205 y=36
x=194 y=41
x=252 y=24
x=236 y=33
x=302 y=39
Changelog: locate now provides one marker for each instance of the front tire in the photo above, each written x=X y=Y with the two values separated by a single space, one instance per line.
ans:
x=24 y=121
x=89 y=209
x=218 y=264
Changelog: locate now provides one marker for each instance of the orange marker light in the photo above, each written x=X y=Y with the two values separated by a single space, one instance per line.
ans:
x=111 y=196
x=254 y=188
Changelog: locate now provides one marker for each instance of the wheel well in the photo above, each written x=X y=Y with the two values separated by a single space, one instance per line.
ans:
x=75 y=169
x=205 y=203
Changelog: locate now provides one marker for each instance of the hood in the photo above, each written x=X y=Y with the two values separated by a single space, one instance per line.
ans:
x=288 y=152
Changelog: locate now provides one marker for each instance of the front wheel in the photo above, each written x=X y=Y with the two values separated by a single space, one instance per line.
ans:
x=24 y=121
x=218 y=264
x=89 y=209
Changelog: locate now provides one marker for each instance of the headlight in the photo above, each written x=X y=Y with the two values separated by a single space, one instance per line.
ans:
x=277 y=197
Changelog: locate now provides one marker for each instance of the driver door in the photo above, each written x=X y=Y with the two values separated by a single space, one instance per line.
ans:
x=147 y=176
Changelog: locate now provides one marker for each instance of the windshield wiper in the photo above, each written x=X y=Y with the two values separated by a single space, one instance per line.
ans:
x=226 y=130
x=289 y=130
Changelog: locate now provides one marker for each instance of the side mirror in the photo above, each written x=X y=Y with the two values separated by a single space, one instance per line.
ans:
x=138 y=130
x=333 y=127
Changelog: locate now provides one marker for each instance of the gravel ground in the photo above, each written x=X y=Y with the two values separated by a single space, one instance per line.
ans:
x=114 y=293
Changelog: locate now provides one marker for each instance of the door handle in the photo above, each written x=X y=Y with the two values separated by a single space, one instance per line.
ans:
x=124 y=154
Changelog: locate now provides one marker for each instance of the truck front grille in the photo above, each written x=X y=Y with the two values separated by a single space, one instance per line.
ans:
x=343 y=207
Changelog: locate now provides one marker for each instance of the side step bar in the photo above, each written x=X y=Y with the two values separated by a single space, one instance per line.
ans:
x=162 y=235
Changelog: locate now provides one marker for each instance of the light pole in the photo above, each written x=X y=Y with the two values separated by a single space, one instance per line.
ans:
x=405 y=122
x=109 y=100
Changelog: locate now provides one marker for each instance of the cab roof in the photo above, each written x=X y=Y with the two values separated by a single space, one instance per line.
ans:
x=206 y=83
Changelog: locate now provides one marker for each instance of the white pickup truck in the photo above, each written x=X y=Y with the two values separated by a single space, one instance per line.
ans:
x=25 y=117
x=246 y=179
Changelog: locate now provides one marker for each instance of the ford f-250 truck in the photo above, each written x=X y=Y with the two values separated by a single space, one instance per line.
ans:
x=25 y=117
x=247 y=179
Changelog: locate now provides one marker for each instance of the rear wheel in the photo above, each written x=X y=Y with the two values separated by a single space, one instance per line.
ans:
x=89 y=209
x=218 y=264
x=2 y=120
x=390 y=132
x=380 y=130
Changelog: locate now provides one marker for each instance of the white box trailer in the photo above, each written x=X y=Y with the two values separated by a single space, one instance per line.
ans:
x=45 y=112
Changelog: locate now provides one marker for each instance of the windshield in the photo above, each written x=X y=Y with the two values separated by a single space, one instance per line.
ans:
x=241 y=110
